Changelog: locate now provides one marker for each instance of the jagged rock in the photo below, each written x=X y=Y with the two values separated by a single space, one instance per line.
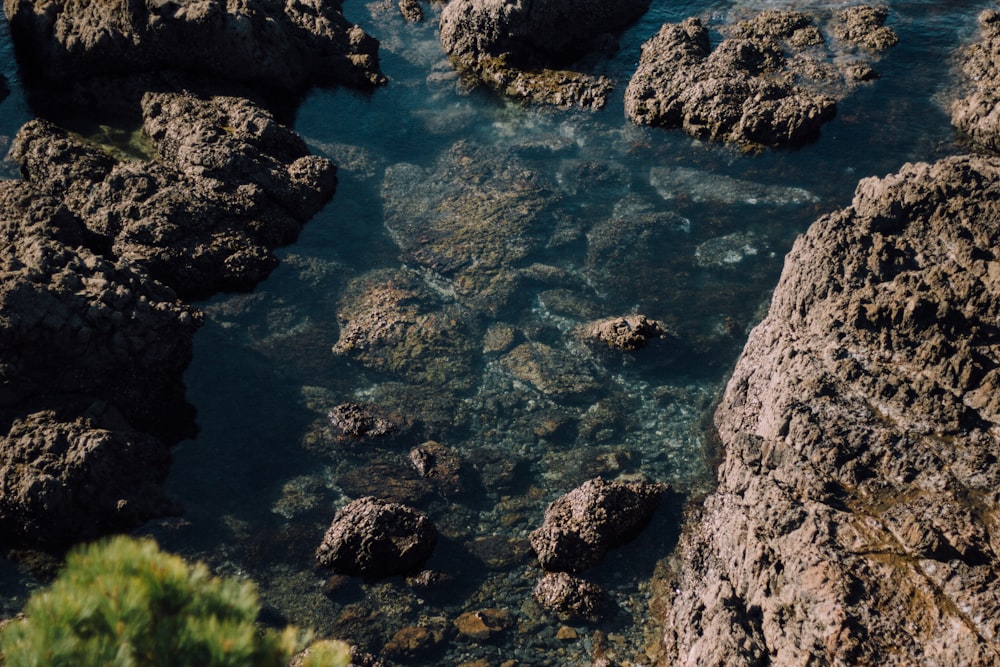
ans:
x=231 y=185
x=521 y=49
x=354 y=421
x=978 y=113
x=569 y=597
x=583 y=525
x=629 y=332
x=854 y=518
x=67 y=480
x=283 y=46
x=411 y=10
x=375 y=538
x=864 y=25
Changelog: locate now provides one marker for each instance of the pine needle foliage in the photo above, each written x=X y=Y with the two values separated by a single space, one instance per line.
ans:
x=125 y=603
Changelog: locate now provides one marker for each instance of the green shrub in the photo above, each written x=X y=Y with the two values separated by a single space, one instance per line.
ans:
x=125 y=603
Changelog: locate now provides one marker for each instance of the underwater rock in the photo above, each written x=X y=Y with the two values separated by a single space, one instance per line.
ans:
x=66 y=479
x=284 y=47
x=415 y=642
x=553 y=372
x=584 y=524
x=390 y=477
x=520 y=49
x=978 y=113
x=230 y=185
x=439 y=465
x=355 y=421
x=376 y=538
x=696 y=185
x=569 y=597
x=629 y=332
x=853 y=519
x=483 y=624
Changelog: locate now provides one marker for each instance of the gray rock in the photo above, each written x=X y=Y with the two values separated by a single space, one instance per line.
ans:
x=583 y=525
x=629 y=332
x=569 y=597
x=864 y=25
x=374 y=538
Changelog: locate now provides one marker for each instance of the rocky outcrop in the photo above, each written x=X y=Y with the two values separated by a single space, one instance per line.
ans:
x=282 y=46
x=375 y=538
x=629 y=332
x=230 y=185
x=865 y=26
x=855 y=517
x=978 y=113
x=767 y=83
x=520 y=49
x=584 y=524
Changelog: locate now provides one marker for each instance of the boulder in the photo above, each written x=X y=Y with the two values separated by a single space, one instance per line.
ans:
x=629 y=332
x=569 y=597
x=375 y=538
x=978 y=113
x=864 y=25
x=583 y=525
x=854 y=521
x=286 y=47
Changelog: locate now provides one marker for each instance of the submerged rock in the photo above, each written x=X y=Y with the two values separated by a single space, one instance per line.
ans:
x=978 y=113
x=520 y=49
x=551 y=371
x=853 y=522
x=355 y=421
x=375 y=538
x=583 y=525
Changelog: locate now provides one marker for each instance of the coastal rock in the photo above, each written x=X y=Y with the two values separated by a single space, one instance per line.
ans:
x=483 y=624
x=978 y=113
x=864 y=25
x=520 y=49
x=854 y=521
x=554 y=372
x=375 y=538
x=285 y=47
x=355 y=421
x=438 y=464
x=569 y=597
x=230 y=185
x=64 y=481
x=583 y=525
x=629 y=332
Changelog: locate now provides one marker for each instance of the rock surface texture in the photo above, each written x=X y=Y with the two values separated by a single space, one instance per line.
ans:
x=978 y=113
x=768 y=83
x=520 y=48
x=855 y=520
x=282 y=46
x=581 y=526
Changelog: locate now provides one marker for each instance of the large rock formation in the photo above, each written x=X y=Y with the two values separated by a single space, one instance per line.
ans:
x=978 y=114
x=520 y=48
x=230 y=185
x=283 y=46
x=855 y=520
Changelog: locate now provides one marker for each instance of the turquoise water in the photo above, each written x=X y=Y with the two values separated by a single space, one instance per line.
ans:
x=620 y=219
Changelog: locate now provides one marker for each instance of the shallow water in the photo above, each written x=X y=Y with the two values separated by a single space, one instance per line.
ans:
x=609 y=219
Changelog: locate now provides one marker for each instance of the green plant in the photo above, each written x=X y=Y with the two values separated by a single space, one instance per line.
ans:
x=125 y=603
x=326 y=653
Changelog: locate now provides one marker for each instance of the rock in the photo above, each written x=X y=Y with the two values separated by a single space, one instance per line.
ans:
x=414 y=642
x=231 y=185
x=411 y=10
x=729 y=94
x=551 y=371
x=629 y=332
x=356 y=421
x=438 y=464
x=567 y=634
x=978 y=113
x=483 y=624
x=864 y=25
x=854 y=514
x=65 y=480
x=685 y=183
x=375 y=538
x=520 y=49
x=581 y=526
x=285 y=47
x=569 y=597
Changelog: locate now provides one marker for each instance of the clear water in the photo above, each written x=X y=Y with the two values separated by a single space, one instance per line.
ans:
x=640 y=220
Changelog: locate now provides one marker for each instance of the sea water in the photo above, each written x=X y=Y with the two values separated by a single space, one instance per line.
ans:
x=637 y=220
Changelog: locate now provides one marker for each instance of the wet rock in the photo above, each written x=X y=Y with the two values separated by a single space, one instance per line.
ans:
x=375 y=538
x=551 y=371
x=388 y=477
x=684 y=183
x=411 y=10
x=864 y=25
x=521 y=49
x=438 y=464
x=978 y=113
x=569 y=597
x=356 y=421
x=483 y=624
x=415 y=642
x=393 y=322
x=284 y=47
x=65 y=480
x=854 y=514
x=499 y=337
x=430 y=579
x=230 y=185
x=629 y=332
x=581 y=526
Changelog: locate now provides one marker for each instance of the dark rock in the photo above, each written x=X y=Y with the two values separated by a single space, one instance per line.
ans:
x=630 y=332
x=553 y=372
x=978 y=113
x=375 y=538
x=581 y=526
x=521 y=49
x=438 y=464
x=388 y=477
x=569 y=597
x=282 y=46
x=864 y=25
x=854 y=517
x=411 y=10
x=231 y=185
x=355 y=421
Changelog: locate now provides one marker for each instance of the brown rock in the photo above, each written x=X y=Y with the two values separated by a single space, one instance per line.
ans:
x=483 y=624
x=414 y=642
x=864 y=25
x=978 y=113
x=569 y=597
x=630 y=332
